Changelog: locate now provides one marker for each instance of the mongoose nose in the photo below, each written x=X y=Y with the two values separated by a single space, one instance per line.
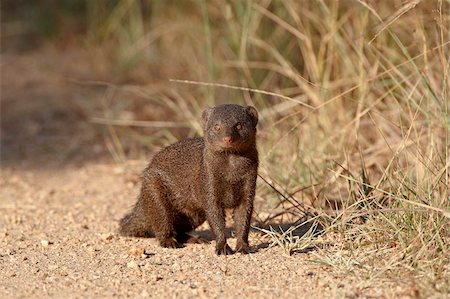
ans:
x=227 y=140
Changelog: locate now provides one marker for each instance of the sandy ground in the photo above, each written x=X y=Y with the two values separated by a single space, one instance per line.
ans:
x=58 y=238
x=61 y=196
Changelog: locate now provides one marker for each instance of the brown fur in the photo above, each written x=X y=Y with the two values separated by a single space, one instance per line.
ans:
x=196 y=179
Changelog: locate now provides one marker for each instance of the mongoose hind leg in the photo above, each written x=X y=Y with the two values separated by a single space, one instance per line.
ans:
x=160 y=211
x=186 y=224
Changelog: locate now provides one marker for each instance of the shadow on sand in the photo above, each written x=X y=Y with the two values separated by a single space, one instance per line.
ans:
x=295 y=229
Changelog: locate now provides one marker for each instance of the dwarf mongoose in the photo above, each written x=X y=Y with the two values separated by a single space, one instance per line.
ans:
x=196 y=179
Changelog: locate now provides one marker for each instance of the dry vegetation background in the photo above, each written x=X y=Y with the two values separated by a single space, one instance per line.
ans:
x=353 y=99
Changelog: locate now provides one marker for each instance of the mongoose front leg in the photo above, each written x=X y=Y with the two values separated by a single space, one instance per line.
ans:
x=216 y=218
x=243 y=214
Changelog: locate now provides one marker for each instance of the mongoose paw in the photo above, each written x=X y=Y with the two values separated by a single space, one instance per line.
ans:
x=169 y=243
x=243 y=248
x=224 y=250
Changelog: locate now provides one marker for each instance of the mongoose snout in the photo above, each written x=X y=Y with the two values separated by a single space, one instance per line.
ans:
x=227 y=140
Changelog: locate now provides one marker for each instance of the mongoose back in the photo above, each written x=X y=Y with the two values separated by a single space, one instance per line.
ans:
x=196 y=179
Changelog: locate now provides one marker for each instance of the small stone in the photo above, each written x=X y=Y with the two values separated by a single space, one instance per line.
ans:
x=147 y=267
x=146 y=254
x=145 y=294
x=107 y=237
x=52 y=267
x=136 y=251
x=132 y=265
x=46 y=243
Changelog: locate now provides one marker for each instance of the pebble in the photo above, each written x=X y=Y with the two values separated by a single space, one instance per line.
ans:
x=107 y=236
x=52 y=267
x=46 y=243
x=136 y=251
x=132 y=265
x=146 y=254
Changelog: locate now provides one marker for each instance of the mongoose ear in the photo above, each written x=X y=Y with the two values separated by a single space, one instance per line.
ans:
x=253 y=114
x=205 y=116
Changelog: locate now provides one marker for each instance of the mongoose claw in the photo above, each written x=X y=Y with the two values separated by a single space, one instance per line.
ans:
x=224 y=250
x=243 y=248
x=169 y=243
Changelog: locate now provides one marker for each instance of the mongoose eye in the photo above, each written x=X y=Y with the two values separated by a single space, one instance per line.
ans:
x=217 y=127
x=238 y=127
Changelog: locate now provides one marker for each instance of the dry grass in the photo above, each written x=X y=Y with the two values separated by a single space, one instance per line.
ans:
x=354 y=104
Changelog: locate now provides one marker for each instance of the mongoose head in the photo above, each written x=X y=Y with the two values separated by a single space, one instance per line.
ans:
x=229 y=127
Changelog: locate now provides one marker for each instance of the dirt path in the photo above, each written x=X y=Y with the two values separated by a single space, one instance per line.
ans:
x=58 y=238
